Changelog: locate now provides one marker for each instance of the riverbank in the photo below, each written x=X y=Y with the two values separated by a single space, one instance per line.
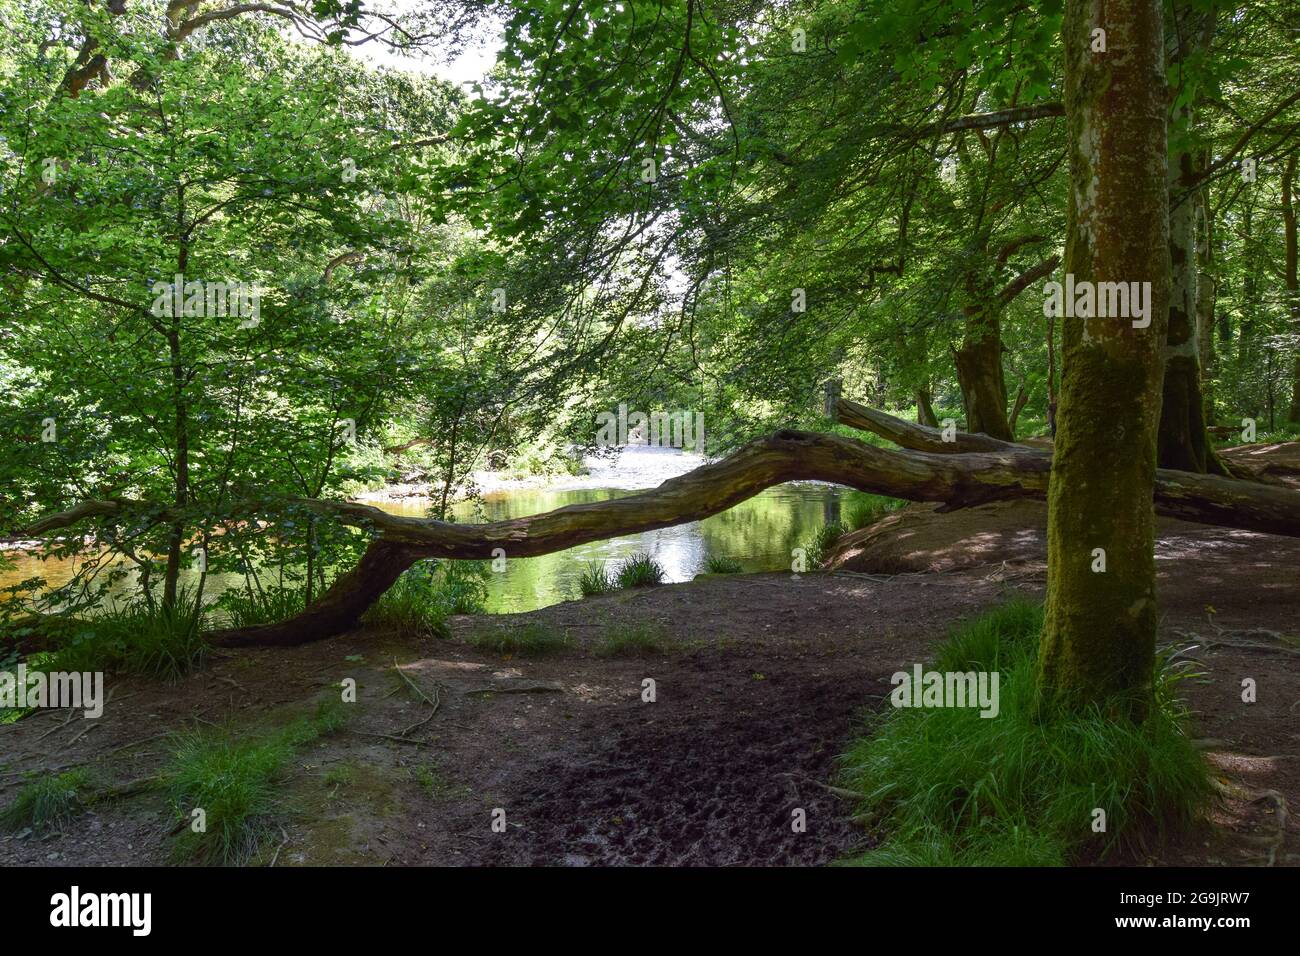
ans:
x=759 y=683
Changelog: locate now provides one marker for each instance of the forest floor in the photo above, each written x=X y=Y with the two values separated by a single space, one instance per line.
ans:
x=758 y=686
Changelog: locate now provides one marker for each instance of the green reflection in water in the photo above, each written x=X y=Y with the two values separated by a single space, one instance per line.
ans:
x=759 y=533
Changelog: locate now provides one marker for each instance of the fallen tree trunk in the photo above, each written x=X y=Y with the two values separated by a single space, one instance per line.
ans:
x=957 y=480
x=920 y=438
x=917 y=437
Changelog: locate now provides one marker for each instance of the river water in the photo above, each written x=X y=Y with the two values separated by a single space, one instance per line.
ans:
x=759 y=533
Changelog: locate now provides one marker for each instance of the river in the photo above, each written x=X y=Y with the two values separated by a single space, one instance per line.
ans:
x=759 y=533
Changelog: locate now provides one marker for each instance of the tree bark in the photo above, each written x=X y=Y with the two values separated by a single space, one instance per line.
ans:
x=925 y=408
x=1206 y=299
x=1018 y=406
x=1098 y=646
x=1183 y=442
x=916 y=437
x=979 y=359
x=1291 y=275
x=980 y=375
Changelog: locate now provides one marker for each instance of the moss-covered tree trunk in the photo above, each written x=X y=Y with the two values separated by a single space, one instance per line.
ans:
x=1184 y=443
x=1099 y=639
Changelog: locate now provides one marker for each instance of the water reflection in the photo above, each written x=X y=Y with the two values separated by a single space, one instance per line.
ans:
x=759 y=533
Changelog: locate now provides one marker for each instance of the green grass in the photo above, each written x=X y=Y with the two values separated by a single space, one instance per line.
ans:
x=816 y=550
x=531 y=639
x=47 y=803
x=631 y=641
x=639 y=571
x=411 y=605
x=462 y=586
x=595 y=580
x=160 y=642
x=341 y=775
x=865 y=510
x=233 y=778
x=427 y=593
x=266 y=606
x=718 y=564
x=434 y=782
x=945 y=786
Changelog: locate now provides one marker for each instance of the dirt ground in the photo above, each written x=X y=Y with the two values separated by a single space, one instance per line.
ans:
x=756 y=693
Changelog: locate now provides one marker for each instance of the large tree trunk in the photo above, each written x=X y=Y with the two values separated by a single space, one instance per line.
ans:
x=1183 y=442
x=925 y=408
x=1098 y=645
x=980 y=375
x=1291 y=275
x=1206 y=299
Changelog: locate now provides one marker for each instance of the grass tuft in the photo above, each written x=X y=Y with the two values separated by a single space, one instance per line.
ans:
x=269 y=605
x=631 y=641
x=161 y=642
x=534 y=638
x=427 y=593
x=948 y=787
x=868 y=509
x=822 y=542
x=717 y=564
x=232 y=779
x=595 y=580
x=640 y=571
x=47 y=803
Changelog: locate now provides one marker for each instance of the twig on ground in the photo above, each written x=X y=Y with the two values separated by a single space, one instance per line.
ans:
x=81 y=733
x=433 y=702
x=276 y=855
x=72 y=712
x=834 y=791
x=400 y=740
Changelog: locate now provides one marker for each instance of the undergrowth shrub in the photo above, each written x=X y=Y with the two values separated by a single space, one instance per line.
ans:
x=137 y=638
x=427 y=593
x=945 y=786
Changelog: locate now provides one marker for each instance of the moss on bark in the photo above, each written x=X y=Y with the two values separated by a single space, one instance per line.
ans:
x=1099 y=636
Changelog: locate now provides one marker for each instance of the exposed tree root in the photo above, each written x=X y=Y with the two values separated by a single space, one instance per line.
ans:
x=1274 y=842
